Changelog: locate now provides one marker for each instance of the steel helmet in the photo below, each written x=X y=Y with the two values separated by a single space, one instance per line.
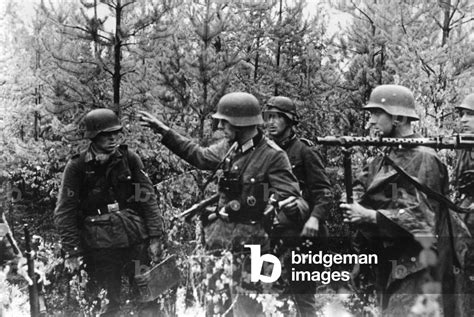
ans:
x=283 y=105
x=240 y=109
x=467 y=103
x=394 y=99
x=101 y=120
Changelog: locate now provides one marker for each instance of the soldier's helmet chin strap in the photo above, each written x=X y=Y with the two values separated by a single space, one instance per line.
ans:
x=238 y=131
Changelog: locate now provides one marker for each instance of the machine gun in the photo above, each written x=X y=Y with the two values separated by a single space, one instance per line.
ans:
x=460 y=141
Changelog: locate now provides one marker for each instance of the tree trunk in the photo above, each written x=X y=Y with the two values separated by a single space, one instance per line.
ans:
x=446 y=7
x=117 y=56
x=96 y=49
x=203 y=67
x=257 y=55
x=278 y=47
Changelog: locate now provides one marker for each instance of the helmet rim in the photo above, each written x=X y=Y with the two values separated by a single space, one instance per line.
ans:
x=240 y=109
x=395 y=100
x=99 y=121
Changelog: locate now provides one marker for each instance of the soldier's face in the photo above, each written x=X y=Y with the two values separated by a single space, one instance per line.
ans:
x=467 y=121
x=107 y=142
x=380 y=123
x=228 y=129
x=276 y=124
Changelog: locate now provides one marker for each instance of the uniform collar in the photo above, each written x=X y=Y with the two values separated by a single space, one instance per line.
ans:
x=285 y=143
x=251 y=144
x=91 y=155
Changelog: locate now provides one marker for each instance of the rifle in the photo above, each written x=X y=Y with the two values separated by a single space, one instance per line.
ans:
x=198 y=207
x=33 y=289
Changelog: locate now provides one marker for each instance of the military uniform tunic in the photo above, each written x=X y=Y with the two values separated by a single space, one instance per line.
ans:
x=253 y=171
x=308 y=168
x=261 y=168
x=307 y=165
x=89 y=188
x=464 y=182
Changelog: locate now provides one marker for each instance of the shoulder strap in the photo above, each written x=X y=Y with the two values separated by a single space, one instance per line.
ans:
x=126 y=154
x=211 y=177
x=428 y=191
x=436 y=196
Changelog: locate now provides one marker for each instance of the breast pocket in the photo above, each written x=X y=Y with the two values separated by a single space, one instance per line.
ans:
x=297 y=168
x=124 y=186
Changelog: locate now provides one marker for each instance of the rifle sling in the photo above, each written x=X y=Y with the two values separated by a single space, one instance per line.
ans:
x=436 y=196
x=211 y=177
x=428 y=191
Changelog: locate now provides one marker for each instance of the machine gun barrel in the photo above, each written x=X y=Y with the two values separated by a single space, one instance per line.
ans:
x=461 y=141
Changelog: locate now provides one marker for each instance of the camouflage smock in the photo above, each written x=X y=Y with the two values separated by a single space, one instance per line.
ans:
x=464 y=174
x=464 y=181
x=406 y=223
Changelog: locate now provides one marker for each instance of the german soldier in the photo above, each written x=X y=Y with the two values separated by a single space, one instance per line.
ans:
x=281 y=117
x=107 y=214
x=464 y=182
x=395 y=219
x=464 y=170
x=253 y=168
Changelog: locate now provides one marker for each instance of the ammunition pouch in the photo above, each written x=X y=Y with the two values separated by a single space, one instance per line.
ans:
x=119 y=229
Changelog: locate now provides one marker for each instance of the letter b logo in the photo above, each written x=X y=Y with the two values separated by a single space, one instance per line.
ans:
x=256 y=264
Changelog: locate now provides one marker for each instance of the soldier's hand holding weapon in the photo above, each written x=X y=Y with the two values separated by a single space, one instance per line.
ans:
x=356 y=213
